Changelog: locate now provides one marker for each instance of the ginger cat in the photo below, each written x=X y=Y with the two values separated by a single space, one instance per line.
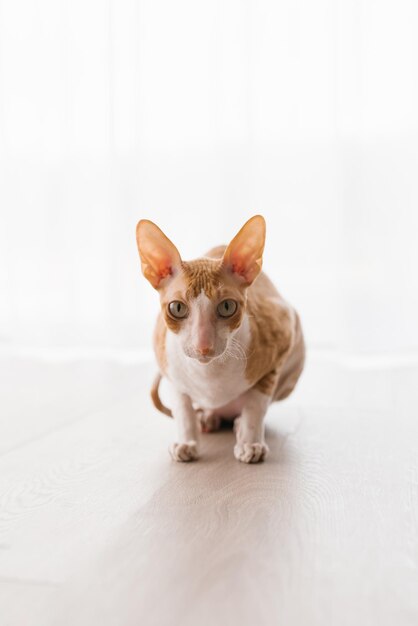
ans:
x=225 y=338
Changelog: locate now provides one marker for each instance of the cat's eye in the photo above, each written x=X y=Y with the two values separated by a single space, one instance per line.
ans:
x=178 y=309
x=226 y=308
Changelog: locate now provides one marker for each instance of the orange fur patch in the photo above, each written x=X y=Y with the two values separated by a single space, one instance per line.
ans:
x=202 y=275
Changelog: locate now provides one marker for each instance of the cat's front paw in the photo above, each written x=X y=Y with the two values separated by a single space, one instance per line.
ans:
x=251 y=452
x=184 y=451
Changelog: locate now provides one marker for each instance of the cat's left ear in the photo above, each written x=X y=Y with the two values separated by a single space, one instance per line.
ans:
x=244 y=255
x=159 y=256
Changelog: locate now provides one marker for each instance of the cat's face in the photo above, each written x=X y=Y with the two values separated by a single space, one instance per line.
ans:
x=204 y=306
x=203 y=301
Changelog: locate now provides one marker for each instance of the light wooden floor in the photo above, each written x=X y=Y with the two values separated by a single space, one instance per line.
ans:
x=99 y=527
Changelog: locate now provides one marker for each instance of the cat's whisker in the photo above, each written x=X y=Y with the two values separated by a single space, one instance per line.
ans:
x=236 y=350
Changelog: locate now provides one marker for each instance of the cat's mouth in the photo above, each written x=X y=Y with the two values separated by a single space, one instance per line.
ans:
x=204 y=359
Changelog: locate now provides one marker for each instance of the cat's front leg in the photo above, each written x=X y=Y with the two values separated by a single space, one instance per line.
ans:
x=186 y=448
x=251 y=446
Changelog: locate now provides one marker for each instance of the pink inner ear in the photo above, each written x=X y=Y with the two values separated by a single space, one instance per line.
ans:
x=157 y=266
x=238 y=267
x=244 y=263
x=163 y=264
x=159 y=256
x=244 y=255
x=164 y=270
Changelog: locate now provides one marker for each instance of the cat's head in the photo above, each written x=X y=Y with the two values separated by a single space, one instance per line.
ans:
x=202 y=301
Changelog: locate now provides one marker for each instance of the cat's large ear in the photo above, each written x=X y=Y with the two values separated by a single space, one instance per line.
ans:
x=159 y=256
x=244 y=255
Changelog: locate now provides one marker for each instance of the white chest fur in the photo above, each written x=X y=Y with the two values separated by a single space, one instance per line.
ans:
x=210 y=385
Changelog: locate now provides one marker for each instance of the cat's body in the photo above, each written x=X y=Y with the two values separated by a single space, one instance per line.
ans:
x=256 y=354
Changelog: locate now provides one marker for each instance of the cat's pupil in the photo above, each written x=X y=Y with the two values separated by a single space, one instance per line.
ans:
x=226 y=305
x=178 y=307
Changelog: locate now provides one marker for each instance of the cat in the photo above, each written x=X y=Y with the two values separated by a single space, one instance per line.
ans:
x=225 y=338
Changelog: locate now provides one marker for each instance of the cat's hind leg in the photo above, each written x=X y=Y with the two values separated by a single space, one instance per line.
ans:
x=210 y=420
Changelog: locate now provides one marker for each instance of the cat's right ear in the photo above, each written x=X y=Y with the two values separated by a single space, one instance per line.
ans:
x=159 y=256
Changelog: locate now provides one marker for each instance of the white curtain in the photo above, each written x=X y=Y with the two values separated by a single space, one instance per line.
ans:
x=197 y=114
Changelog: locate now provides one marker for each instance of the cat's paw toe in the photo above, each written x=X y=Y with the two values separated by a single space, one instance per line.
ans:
x=251 y=452
x=184 y=452
x=209 y=422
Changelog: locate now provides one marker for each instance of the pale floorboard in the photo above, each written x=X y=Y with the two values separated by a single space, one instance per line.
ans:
x=98 y=526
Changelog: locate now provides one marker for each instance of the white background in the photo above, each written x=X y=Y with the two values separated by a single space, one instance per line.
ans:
x=197 y=115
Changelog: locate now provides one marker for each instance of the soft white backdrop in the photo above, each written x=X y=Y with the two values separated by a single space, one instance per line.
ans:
x=196 y=115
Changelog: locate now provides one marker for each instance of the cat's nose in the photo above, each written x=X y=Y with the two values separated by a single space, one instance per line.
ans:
x=204 y=350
